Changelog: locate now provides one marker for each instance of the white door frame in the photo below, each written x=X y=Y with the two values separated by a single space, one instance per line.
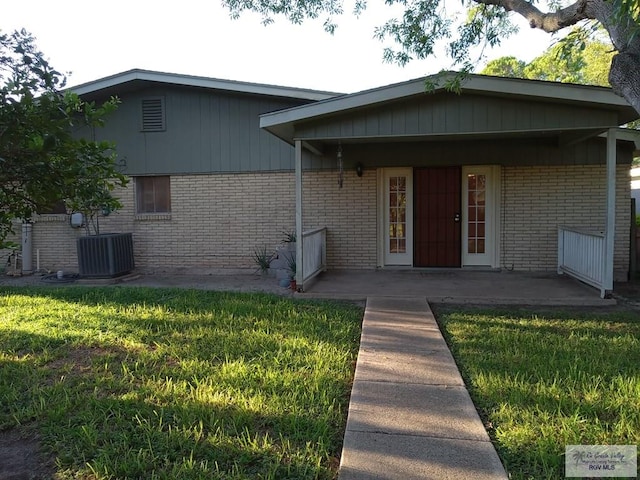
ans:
x=491 y=256
x=385 y=256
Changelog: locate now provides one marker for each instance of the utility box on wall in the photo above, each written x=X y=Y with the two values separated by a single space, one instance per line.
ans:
x=105 y=255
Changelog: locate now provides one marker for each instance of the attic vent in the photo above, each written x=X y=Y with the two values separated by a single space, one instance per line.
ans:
x=153 y=119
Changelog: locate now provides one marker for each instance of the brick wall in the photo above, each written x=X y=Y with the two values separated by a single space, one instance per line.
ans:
x=349 y=213
x=535 y=200
x=218 y=220
x=216 y=223
x=54 y=240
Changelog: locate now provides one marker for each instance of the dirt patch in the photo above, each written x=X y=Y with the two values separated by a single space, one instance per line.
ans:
x=78 y=359
x=22 y=457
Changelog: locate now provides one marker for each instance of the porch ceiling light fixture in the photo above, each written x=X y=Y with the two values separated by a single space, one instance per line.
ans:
x=359 y=169
x=340 y=166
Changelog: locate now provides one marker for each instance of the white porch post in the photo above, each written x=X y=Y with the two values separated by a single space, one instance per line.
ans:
x=610 y=231
x=299 y=239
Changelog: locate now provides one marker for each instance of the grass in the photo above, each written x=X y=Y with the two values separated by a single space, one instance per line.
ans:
x=543 y=381
x=177 y=384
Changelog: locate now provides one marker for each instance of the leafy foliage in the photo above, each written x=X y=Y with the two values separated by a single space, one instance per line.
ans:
x=508 y=66
x=427 y=25
x=43 y=158
x=295 y=12
x=576 y=59
x=416 y=32
x=628 y=10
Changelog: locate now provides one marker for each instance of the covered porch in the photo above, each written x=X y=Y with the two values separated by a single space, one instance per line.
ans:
x=477 y=180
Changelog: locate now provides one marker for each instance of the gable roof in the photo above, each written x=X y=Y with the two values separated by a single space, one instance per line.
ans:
x=284 y=123
x=134 y=79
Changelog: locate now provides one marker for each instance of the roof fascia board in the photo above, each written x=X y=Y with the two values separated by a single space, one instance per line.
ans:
x=545 y=90
x=104 y=83
x=203 y=82
x=474 y=83
x=344 y=102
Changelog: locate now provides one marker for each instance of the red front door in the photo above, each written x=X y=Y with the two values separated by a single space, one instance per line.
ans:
x=437 y=217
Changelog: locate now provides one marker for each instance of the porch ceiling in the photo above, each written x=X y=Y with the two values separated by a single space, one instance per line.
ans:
x=562 y=137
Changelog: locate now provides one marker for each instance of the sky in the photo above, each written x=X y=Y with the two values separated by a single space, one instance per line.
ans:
x=89 y=40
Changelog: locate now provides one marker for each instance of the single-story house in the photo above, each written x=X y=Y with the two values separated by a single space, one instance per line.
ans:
x=396 y=177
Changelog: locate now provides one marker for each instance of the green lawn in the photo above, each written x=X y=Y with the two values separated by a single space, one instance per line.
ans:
x=543 y=381
x=177 y=384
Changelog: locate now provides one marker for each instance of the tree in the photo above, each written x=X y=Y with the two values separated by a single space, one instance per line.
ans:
x=43 y=158
x=586 y=66
x=425 y=23
x=506 y=67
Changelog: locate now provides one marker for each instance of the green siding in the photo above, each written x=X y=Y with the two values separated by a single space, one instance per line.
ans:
x=218 y=132
x=448 y=113
x=207 y=132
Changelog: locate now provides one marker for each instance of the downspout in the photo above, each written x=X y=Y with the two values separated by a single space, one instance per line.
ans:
x=299 y=239
x=610 y=231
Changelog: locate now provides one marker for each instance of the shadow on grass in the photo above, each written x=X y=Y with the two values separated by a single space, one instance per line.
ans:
x=92 y=414
x=145 y=390
x=136 y=438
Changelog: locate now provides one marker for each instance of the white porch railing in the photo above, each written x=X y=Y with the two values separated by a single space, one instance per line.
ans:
x=314 y=253
x=581 y=254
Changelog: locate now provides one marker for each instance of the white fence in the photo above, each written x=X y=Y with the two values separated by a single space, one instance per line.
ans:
x=581 y=254
x=314 y=252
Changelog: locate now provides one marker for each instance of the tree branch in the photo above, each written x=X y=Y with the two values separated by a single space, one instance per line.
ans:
x=549 y=22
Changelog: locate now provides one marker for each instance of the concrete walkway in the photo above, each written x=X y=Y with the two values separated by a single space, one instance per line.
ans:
x=410 y=415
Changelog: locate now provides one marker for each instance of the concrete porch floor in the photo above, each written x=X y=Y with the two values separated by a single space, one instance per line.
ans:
x=457 y=286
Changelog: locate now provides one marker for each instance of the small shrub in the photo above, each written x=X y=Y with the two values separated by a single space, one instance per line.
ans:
x=262 y=257
x=289 y=237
